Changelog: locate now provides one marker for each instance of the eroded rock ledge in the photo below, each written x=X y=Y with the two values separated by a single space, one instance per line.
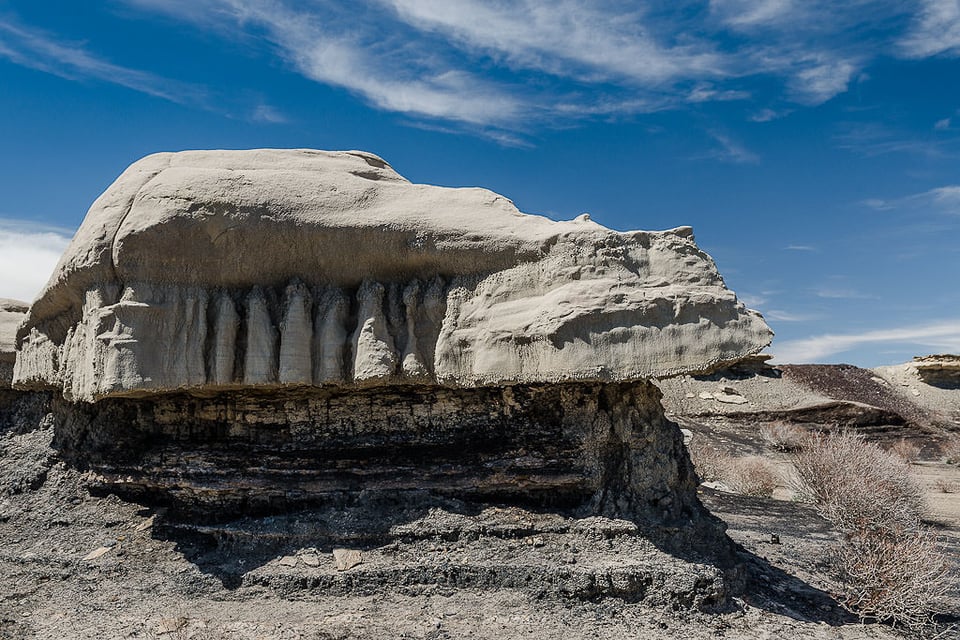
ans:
x=208 y=270
x=579 y=449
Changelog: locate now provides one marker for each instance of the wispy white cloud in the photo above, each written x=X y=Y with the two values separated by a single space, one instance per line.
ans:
x=944 y=200
x=942 y=125
x=767 y=114
x=751 y=13
x=941 y=336
x=335 y=46
x=800 y=247
x=729 y=149
x=40 y=51
x=589 y=39
x=506 y=63
x=839 y=293
x=780 y=315
x=935 y=30
x=871 y=139
x=824 y=78
x=753 y=301
x=28 y=254
x=266 y=113
x=708 y=93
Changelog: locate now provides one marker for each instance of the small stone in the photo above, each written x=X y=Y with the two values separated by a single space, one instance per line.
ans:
x=705 y=395
x=288 y=561
x=96 y=553
x=146 y=524
x=915 y=392
x=730 y=399
x=346 y=559
x=311 y=559
x=690 y=395
x=171 y=625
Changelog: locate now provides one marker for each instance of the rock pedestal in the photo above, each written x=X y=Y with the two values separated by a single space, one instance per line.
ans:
x=251 y=332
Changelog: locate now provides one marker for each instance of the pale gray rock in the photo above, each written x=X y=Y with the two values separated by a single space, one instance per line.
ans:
x=12 y=312
x=346 y=559
x=203 y=270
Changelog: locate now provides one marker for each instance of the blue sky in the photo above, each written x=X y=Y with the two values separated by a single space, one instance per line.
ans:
x=813 y=146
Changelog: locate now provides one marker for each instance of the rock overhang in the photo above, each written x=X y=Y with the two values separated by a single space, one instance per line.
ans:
x=205 y=270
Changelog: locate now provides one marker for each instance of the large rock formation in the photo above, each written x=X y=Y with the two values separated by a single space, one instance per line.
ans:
x=254 y=331
x=212 y=270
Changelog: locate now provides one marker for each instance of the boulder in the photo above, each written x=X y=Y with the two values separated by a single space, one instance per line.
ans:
x=213 y=270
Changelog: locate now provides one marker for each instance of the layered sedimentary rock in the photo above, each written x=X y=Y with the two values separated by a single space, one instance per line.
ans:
x=240 y=269
x=942 y=370
x=256 y=331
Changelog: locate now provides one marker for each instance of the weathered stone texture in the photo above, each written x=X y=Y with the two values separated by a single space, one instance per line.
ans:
x=583 y=449
x=214 y=270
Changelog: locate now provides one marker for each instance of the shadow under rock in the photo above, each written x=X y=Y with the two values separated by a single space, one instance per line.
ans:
x=766 y=585
x=237 y=554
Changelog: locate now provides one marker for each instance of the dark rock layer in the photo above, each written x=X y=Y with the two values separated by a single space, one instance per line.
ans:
x=576 y=449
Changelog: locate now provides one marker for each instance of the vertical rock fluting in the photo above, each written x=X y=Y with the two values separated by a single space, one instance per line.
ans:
x=223 y=347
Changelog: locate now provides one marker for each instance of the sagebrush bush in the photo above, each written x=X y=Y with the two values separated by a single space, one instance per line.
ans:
x=782 y=436
x=946 y=486
x=707 y=459
x=750 y=476
x=905 y=450
x=856 y=485
x=899 y=578
x=951 y=450
x=889 y=567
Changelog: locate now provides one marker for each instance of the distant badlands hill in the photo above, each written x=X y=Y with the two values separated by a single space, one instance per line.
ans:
x=917 y=399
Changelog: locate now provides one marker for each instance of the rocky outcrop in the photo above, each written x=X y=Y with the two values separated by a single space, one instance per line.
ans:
x=12 y=313
x=245 y=333
x=577 y=449
x=941 y=370
x=206 y=271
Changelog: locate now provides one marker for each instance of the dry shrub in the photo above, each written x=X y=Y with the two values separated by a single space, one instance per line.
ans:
x=905 y=450
x=856 y=485
x=946 y=486
x=707 y=459
x=900 y=579
x=951 y=450
x=888 y=566
x=783 y=436
x=750 y=476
